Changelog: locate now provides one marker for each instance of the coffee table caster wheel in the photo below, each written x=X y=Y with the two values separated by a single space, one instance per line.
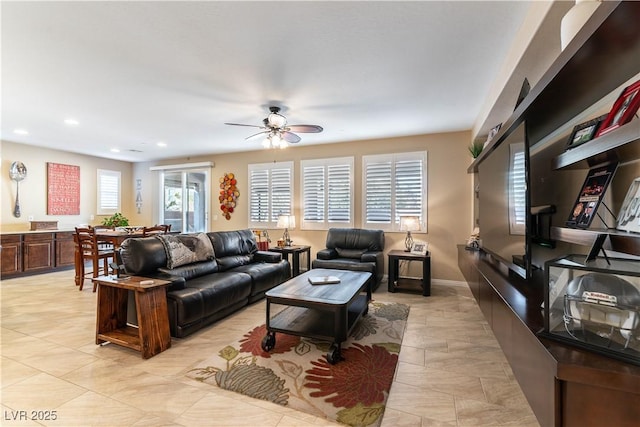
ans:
x=268 y=342
x=334 y=356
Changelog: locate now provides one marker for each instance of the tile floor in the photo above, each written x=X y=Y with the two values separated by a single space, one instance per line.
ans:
x=451 y=370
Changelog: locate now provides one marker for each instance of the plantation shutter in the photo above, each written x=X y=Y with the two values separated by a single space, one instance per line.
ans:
x=259 y=200
x=108 y=192
x=327 y=193
x=281 y=198
x=339 y=194
x=517 y=190
x=394 y=186
x=313 y=194
x=270 y=191
x=408 y=186
x=378 y=192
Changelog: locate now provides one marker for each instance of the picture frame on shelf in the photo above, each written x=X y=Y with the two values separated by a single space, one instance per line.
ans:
x=419 y=247
x=524 y=91
x=493 y=132
x=591 y=194
x=629 y=216
x=623 y=109
x=585 y=132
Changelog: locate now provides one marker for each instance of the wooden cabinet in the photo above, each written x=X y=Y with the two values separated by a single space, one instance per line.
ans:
x=65 y=249
x=38 y=251
x=565 y=385
x=11 y=254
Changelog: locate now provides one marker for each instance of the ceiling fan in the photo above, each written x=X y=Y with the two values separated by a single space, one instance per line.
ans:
x=276 y=130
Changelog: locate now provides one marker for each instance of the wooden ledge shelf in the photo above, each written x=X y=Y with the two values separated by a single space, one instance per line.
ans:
x=621 y=143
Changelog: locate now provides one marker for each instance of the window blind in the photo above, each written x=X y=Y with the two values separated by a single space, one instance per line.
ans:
x=394 y=186
x=270 y=191
x=327 y=193
x=517 y=190
x=108 y=192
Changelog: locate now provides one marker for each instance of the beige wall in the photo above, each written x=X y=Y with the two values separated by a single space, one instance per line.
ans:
x=33 y=190
x=449 y=186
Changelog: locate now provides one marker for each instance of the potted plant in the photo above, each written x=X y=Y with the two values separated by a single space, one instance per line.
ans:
x=116 y=220
x=475 y=149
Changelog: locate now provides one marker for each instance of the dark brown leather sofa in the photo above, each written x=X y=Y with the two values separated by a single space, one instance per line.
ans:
x=205 y=291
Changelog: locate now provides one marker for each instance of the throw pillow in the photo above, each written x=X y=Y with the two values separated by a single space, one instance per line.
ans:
x=185 y=249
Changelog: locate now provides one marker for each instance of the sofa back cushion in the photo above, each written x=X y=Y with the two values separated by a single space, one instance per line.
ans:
x=143 y=255
x=233 y=248
x=184 y=249
x=355 y=240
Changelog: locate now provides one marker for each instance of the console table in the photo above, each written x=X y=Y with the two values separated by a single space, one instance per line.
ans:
x=295 y=251
x=396 y=282
x=152 y=335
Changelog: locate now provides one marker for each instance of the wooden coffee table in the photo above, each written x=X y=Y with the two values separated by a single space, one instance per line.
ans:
x=152 y=335
x=327 y=312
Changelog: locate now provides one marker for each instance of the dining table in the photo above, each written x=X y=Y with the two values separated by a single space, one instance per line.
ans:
x=116 y=237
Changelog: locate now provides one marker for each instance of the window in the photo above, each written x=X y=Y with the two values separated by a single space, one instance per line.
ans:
x=394 y=185
x=270 y=193
x=327 y=193
x=108 y=192
x=517 y=189
x=183 y=199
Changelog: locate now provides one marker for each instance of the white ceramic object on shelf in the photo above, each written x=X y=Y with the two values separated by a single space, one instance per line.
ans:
x=575 y=19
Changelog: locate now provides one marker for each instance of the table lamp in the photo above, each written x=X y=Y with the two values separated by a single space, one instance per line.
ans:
x=287 y=222
x=409 y=224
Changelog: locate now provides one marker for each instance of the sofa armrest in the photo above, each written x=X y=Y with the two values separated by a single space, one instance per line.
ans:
x=177 y=282
x=267 y=256
x=327 y=254
x=372 y=257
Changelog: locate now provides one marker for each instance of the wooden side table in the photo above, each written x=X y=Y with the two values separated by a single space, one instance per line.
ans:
x=152 y=335
x=399 y=283
x=295 y=251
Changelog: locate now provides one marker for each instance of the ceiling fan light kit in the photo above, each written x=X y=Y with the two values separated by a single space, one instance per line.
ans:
x=276 y=120
x=278 y=134
x=274 y=140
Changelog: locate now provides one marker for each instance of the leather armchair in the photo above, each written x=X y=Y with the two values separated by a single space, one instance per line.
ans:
x=354 y=249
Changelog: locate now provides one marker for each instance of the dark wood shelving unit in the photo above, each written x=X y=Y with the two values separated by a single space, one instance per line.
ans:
x=619 y=241
x=564 y=384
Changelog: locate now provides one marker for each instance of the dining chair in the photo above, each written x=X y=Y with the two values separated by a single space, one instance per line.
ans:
x=156 y=229
x=89 y=249
x=103 y=244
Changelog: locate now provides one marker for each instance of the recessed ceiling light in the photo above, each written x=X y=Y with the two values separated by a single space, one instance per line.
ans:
x=71 y=122
x=115 y=150
x=161 y=144
x=20 y=132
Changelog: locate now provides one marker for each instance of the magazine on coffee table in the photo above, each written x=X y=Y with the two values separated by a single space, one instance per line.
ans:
x=324 y=280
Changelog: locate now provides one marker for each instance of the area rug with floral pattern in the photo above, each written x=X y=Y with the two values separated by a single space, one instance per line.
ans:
x=295 y=373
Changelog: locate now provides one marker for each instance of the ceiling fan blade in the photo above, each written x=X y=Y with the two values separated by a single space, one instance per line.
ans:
x=305 y=128
x=256 y=134
x=290 y=137
x=239 y=124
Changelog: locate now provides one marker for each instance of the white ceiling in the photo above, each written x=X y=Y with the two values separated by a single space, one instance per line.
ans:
x=136 y=73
